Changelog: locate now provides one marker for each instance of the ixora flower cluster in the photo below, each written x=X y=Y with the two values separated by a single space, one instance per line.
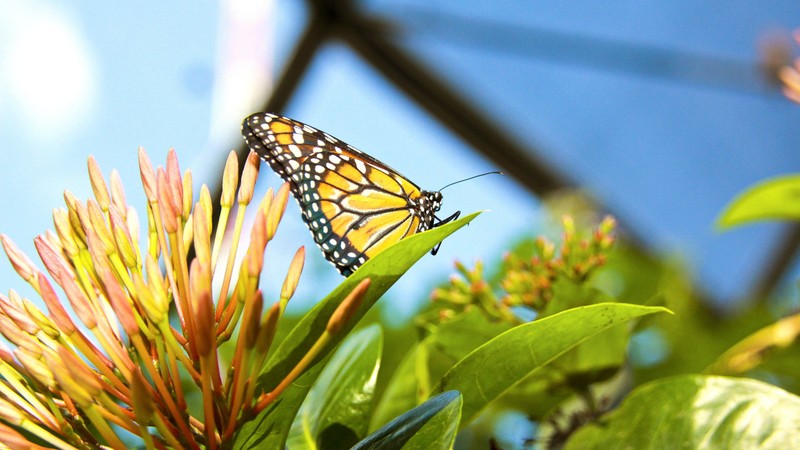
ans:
x=529 y=281
x=121 y=363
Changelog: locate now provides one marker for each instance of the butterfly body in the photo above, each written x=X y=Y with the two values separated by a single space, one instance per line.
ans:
x=354 y=205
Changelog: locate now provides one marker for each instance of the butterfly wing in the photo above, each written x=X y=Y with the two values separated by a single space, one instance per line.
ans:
x=354 y=205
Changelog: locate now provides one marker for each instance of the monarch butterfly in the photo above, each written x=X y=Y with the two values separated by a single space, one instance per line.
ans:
x=354 y=205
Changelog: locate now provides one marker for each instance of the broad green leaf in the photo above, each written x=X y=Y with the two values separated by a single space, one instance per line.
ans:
x=336 y=411
x=773 y=199
x=696 y=411
x=452 y=341
x=270 y=428
x=497 y=366
x=600 y=356
x=457 y=337
x=427 y=361
x=432 y=425
x=597 y=359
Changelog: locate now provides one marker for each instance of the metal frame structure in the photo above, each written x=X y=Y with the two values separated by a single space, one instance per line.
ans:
x=368 y=37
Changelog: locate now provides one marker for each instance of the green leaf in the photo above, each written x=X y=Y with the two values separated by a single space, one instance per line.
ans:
x=270 y=428
x=695 y=411
x=773 y=199
x=336 y=411
x=428 y=360
x=457 y=337
x=599 y=357
x=453 y=340
x=431 y=425
x=497 y=366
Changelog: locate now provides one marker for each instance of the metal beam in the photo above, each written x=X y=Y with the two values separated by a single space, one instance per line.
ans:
x=734 y=75
x=442 y=102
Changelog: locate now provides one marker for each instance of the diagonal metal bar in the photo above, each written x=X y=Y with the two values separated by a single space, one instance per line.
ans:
x=736 y=75
x=439 y=99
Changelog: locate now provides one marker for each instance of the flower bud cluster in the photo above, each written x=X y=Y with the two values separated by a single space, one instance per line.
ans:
x=135 y=315
x=528 y=282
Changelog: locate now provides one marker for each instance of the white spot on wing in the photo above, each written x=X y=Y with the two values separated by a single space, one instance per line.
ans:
x=295 y=150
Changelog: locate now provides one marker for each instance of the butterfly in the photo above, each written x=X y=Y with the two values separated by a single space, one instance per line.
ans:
x=354 y=205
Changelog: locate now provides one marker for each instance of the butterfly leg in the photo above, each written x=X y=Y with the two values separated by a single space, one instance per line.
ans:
x=440 y=222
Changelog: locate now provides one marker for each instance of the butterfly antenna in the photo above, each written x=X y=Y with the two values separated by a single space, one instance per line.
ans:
x=471 y=178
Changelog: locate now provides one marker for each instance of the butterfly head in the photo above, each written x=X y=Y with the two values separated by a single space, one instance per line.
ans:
x=434 y=199
x=428 y=205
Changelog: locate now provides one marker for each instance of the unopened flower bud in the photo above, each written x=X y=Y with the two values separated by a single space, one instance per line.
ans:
x=118 y=193
x=166 y=203
x=293 y=274
x=347 y=308
x=175 y=181
x=276 y=210
x=35 y=367
x=122 y=238
x=148 y=176
x=230 y=180
x=98 y=184
x=202 y=243
x=249 y=177
x=19 y=261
